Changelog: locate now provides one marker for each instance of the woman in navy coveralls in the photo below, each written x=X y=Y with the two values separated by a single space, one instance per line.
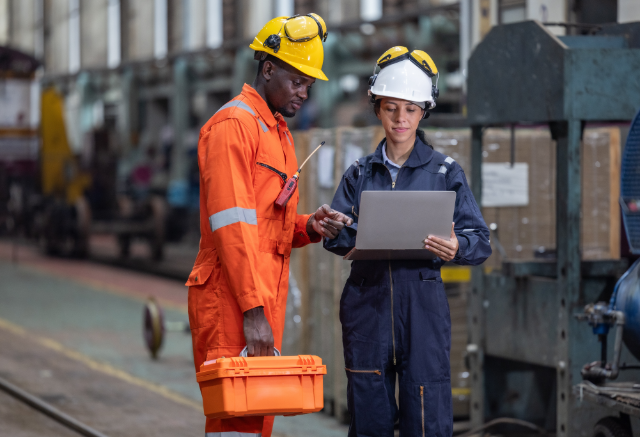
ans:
x=394 y=314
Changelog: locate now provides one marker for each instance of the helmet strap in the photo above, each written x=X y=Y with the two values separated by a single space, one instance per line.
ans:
x=372 y=80
x=435 y=92
x=260 y=56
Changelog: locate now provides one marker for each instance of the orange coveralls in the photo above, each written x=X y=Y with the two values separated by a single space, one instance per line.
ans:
x=245 y=155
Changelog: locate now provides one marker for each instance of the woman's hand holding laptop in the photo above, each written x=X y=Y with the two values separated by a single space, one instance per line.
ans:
x=445 y=249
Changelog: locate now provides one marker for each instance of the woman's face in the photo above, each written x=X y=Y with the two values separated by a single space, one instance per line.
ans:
x=399 y=118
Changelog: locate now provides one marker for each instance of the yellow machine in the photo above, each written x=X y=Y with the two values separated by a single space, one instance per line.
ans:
x=60 y=174
x=66 y=219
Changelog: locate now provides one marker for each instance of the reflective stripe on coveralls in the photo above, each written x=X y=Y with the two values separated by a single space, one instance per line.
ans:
x=231 y=434
x=394 y=314
x=246 y=241
x=242 y=105
x=231 y=216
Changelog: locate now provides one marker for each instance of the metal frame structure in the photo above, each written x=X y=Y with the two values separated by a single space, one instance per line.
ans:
x=222 y=71
x=523 y=315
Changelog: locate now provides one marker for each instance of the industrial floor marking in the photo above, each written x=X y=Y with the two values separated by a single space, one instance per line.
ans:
x=96 y=365
x=96 y=284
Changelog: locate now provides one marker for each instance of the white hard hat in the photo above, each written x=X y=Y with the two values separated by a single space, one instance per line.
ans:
x=405 y=75
x=404 y=80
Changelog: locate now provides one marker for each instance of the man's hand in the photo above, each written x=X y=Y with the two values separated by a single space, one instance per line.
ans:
x=257 y=333
x=446 y=250
x=327 y=222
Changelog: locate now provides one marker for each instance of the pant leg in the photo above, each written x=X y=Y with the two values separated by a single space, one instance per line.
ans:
x=267 y=426
x=216 y=323
x=366 y=330
x=423 y=340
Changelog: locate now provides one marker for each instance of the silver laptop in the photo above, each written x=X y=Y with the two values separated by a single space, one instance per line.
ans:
x=394 y=224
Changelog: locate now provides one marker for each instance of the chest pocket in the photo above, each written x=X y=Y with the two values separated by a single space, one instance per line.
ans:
x=282 y=175
x=268 y=183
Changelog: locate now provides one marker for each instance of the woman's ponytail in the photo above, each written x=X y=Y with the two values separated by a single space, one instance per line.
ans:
x=420 y=134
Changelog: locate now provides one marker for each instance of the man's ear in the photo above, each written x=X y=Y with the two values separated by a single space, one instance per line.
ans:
x=268 y=70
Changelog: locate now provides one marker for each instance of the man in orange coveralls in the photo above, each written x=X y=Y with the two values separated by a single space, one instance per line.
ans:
x=239 y=283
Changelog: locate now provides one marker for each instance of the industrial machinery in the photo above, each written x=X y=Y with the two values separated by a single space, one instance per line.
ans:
x=154 y=327
x=64 y=216
x=78 y=202
x=18 y=138
x=622 y=312
x=527 y=348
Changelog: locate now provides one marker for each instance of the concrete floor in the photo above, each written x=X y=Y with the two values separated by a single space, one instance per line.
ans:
x=71 y=333
x=19 y=420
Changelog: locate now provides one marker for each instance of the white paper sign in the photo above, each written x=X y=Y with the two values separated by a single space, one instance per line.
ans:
x=19 y=148
x=503 y=185
x=351 y=153
x=15 y=100
x=325 y=166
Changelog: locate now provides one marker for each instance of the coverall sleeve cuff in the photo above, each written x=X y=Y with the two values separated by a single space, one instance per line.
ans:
x=463 y=245
x=301 y=231
x=249 y=301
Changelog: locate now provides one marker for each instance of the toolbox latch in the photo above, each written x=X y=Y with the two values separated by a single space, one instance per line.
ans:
x=308 y=363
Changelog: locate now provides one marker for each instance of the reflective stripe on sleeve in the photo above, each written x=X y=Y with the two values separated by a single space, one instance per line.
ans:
x=468 y=230
x=449 y=160
x=232 y=434
x=242 y=105
x=237 y=103
x=231 y=216
x=443 y=169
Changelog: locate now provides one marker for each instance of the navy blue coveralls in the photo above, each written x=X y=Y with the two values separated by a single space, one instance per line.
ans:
x=395 y=314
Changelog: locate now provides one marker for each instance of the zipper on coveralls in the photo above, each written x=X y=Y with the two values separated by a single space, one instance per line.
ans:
x=422 y=406
x=377 y=372
x=282 y=175
x=393 y=331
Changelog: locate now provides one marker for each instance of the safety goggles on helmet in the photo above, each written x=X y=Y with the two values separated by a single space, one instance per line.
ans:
x=418 y=57
x=299 y=28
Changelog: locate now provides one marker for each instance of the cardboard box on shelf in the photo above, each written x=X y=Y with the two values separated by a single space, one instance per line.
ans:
x=528 y=232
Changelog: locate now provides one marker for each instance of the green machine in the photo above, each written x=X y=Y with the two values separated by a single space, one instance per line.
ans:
x=526 y=345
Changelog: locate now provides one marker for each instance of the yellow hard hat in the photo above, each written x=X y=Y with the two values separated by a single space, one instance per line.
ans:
x=296 y=40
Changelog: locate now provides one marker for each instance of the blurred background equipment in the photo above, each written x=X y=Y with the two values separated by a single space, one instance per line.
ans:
x=64 y=219
x=77 y=203
x=19 y=143
x=154 y=327
x=541 y=78
x=621 y=313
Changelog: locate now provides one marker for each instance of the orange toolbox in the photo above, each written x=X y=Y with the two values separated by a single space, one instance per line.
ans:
x=261 y=386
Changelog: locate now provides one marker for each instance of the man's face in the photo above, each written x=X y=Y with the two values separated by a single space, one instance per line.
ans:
x=286 y=88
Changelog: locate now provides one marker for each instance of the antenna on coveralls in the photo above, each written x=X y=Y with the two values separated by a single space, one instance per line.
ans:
x=292 y=183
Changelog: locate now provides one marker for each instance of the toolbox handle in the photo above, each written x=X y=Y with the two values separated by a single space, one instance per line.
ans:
x=230 y=373
x=244 y=352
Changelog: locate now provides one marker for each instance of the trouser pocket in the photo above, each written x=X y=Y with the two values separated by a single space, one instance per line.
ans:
x=377 y=372
x=369 y=403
